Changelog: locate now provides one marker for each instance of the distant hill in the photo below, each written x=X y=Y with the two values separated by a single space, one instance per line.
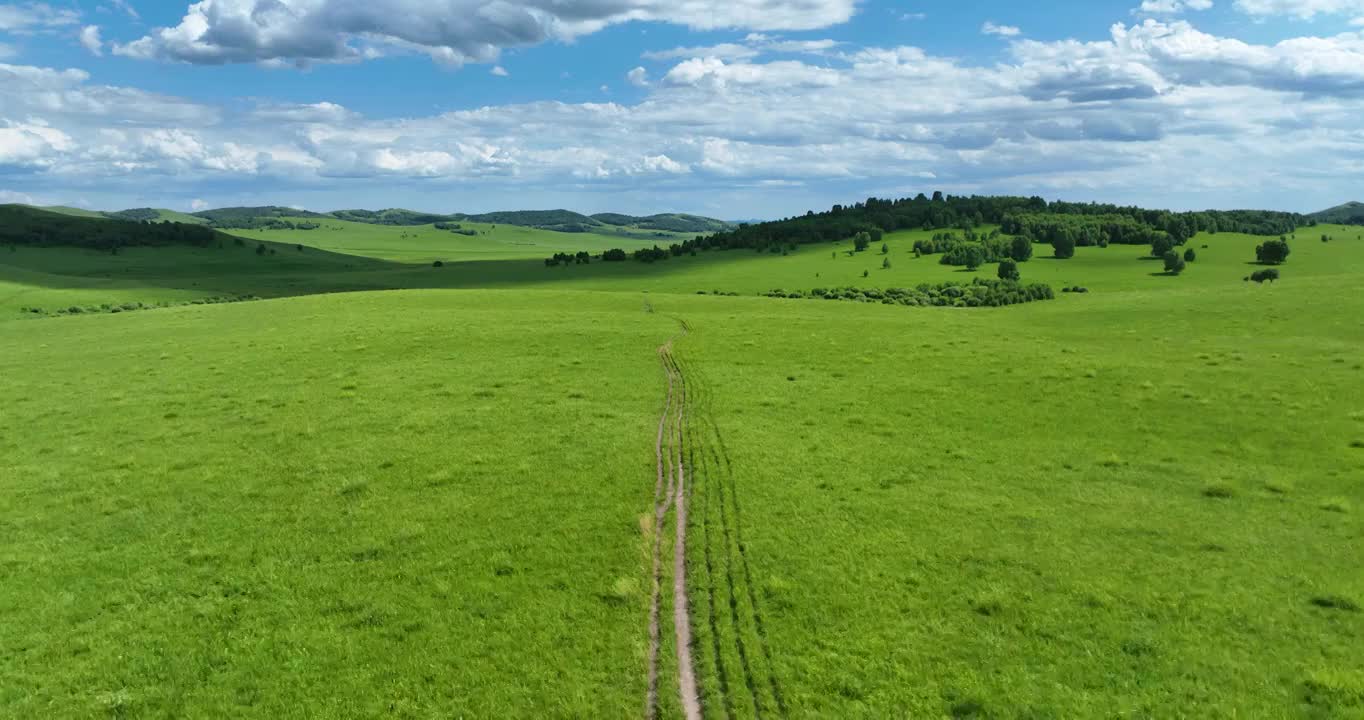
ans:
x=25 y=225
x=670 y=222
x=155 y=215
x=392 y=216
x=277 y=217
x=246 y=214
x=1351 y=213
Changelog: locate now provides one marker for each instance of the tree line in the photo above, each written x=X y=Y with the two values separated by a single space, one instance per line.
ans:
x=29 y=226
x=1062 y=224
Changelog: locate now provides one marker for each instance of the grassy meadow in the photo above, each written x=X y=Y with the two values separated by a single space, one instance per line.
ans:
x=434 y=501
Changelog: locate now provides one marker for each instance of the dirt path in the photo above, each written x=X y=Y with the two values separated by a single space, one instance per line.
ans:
x=670 y=493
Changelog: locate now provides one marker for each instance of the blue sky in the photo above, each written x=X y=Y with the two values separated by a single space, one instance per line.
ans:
x=731 y=108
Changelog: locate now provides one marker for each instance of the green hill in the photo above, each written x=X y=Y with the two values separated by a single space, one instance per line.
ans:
x=75 y=212
x=1351 y=213
x=392 y=216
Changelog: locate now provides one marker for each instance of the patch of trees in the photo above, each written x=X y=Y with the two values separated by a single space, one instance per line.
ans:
x=981 y=292
x=231 y=217
x=1267 y=275
x=263 y=223
x=1087 y=223
x=1273 y=252
x=615 y=255
x=136 y=214
x=581 y=258
x=21 y=225
x=455 y=228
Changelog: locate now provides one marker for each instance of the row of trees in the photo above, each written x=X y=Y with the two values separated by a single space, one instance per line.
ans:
x=582 y=258
x=981 y=292
x=1087 y=223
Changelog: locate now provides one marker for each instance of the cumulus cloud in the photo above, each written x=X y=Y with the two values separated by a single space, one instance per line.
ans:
x=499 y=71
x=90 y=40
x=451 y=31
x=1155 y=105
x=1172 y=7
x=639 y=77
x=989 y=28
x=27 y=17
x=1305 y=9
x=198 y=204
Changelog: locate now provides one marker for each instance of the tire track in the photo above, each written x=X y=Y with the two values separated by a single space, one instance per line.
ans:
x=660 y=508
x=671 y=493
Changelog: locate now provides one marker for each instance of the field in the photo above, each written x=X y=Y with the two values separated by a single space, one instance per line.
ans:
x=440 y=500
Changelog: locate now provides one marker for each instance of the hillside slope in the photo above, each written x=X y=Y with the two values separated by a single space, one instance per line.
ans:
x=1351 y=213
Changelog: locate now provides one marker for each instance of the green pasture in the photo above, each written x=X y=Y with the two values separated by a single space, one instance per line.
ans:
x=1142 y=501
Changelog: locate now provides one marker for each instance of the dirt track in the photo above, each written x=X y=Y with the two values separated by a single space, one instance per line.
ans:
x=670 y=493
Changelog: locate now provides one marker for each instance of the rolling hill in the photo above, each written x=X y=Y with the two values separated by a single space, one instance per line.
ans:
x=1351 y=213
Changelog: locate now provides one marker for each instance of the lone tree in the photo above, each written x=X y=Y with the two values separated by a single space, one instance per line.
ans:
x=885 y=264
x=1272 y=252
x=1161 y=245
x=1064 y=246
x=973 y=256
x=1174 y=264
x=1190 y=255
x=861 y=241
x=1260 y=276
x=1008 y=270
x=1020 y=249
x=885 y=249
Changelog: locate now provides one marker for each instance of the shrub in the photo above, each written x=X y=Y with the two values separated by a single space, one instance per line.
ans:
x=1008 y=270
x=1261 y=276
x=885 y=264
x=1064 y=247
x=1272 y=252
x=861 y=241
x=614 y=255
x=1174 y=264
x=1190 y=255
x=885 y=249
x=1160 y=245
x=866 y=273
x=438 y=263
x=1020 y=249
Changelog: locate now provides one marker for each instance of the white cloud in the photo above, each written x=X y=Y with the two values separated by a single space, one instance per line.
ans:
x=198 y=204
x=26 y=17
x=127 y=8
x=90 y=40
x=7 y=51
x=11 y=196
x=1154 y=106
x=230 y=31
x=499 y=71
x=639 y=77
x=1305 y=9
x=1172 y=7
x=989 y=28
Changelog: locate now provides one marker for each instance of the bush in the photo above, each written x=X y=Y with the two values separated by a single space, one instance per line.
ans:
x=437 y=264
x=1272 y=252
x=1174 y=264
x=614 y=255
x=885 y=264
x=1160 y=245
x=1020 y=249
x=861 y=241
x=1190 y=255
x=1008 y=270
x=1261 y=276
x=1064 y=247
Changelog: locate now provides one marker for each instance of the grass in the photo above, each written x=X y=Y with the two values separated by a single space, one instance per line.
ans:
x=363 y=517
x=1137 y=501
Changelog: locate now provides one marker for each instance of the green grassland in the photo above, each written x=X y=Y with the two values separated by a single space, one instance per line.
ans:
x=368 y=257
x=1143 y=501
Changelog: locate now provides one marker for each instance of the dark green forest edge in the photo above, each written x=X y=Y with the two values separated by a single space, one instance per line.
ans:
x=1019 y=224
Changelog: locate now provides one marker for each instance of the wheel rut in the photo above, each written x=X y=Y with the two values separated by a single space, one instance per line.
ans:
x=736 y=675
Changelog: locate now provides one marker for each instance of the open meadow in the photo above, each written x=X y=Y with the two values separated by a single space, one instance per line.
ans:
x=440 y=499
